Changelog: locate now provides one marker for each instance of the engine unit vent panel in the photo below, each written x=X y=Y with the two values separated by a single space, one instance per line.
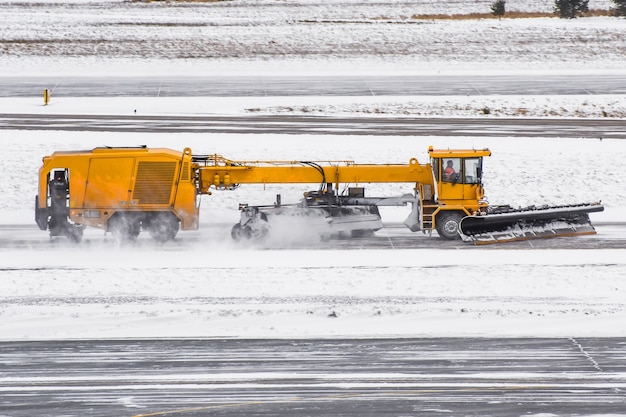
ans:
x=154 y=182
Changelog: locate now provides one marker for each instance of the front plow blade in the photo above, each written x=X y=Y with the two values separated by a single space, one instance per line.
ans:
x=507 y=224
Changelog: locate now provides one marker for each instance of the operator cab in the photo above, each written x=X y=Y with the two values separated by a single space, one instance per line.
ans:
x=458 y=173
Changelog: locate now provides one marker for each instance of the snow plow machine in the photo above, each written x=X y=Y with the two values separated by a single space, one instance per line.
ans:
x=125 y=191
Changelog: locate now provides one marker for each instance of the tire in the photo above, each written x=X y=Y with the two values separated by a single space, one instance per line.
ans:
x=448 y=225
x=259 y=232
x=163 y=227
x=124 y=228
x=240 y=233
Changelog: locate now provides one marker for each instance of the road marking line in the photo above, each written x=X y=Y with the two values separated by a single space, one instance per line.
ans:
x=587 y=355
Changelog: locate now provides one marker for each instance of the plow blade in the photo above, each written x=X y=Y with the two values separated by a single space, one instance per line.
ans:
x=507 y=225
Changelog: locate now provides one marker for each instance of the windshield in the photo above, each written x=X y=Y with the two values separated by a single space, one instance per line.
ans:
x=457 y=170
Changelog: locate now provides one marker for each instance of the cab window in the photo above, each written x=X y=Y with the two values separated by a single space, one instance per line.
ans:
x=451 y=170
x=473 y=170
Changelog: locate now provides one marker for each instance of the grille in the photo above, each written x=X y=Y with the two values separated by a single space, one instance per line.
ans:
x=154 y=181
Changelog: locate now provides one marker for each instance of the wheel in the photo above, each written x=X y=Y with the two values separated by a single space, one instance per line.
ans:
x=448 y=225
x=124 y=228
x=258 y=230
x=240 y=233
x=163 y=227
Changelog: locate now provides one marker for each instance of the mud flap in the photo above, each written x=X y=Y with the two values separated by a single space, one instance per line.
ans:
x=530 y=223
x=41 y=215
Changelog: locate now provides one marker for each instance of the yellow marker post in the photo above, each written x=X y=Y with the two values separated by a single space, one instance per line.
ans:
x=46 y=96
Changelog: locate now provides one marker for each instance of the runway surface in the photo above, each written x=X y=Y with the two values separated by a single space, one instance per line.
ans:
x=295 y=125
x=245 y=86
x=351 y=377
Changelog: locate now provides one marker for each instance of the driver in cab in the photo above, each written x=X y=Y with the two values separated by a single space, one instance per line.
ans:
x=449 y=172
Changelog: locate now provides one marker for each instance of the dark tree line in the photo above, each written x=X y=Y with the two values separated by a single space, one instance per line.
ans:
x=620 y=7
x=498 y=8
x=566 y=9
x=569 y=9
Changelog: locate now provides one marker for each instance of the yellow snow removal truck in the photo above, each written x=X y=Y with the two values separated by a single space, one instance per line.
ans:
x=126 y=190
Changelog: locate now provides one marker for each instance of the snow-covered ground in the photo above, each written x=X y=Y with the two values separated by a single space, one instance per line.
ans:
x=572 y=106
x=290 y=37
x=208 y=287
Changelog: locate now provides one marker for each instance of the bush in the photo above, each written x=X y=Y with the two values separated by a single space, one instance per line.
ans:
x=570 y=9
x=620 y=8
x=498 y=8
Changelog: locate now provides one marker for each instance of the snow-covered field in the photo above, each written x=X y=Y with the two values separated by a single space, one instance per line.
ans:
x=209 y=287
x=339 y=36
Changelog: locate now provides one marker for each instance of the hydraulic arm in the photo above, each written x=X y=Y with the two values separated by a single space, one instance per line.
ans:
x=216 y=171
